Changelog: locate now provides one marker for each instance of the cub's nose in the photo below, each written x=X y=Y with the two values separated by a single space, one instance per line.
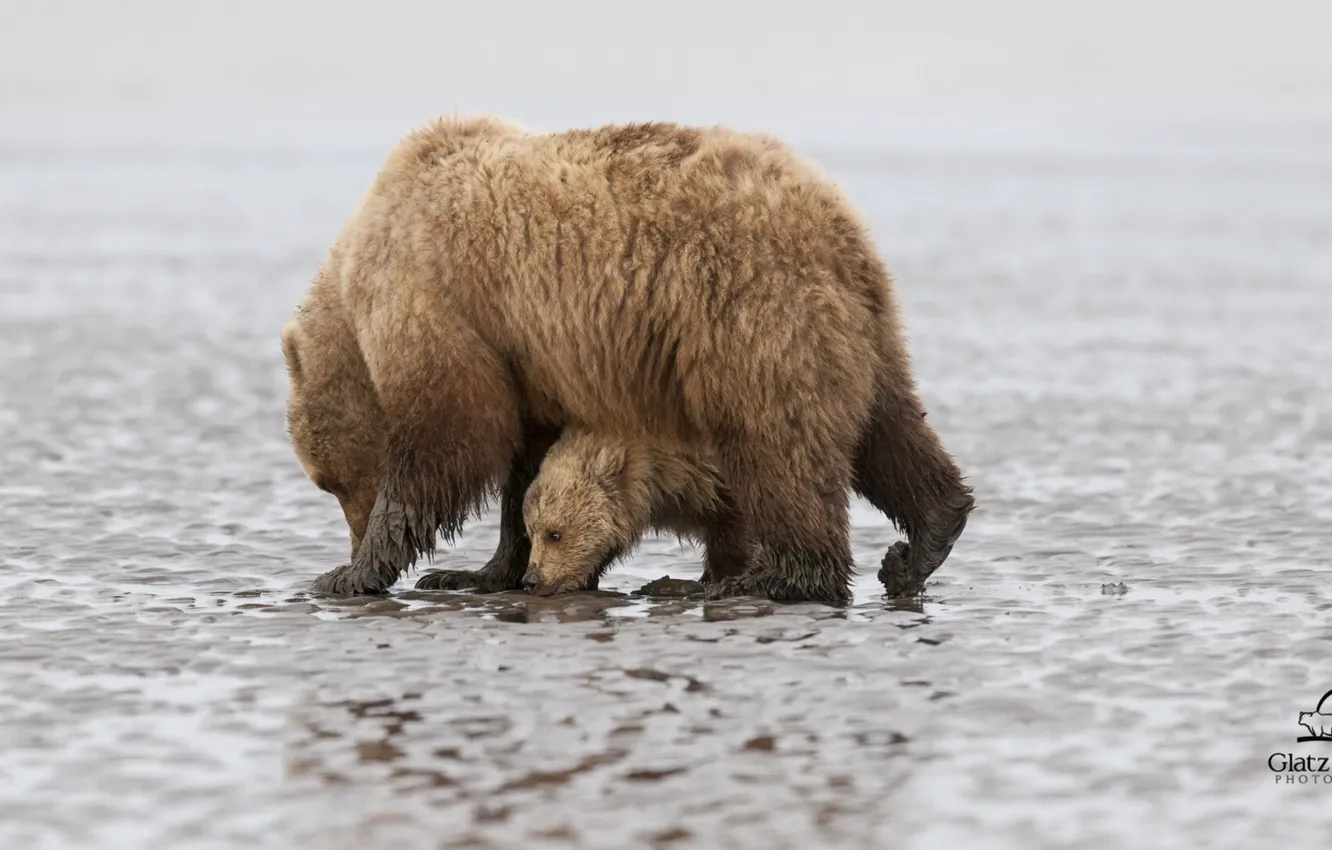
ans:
x=530 y=580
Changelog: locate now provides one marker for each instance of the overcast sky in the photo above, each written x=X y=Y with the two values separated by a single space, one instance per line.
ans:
x=769 y=52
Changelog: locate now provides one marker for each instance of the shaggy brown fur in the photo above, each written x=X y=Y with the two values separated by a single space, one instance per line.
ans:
x=595 y=497
x=683 y=285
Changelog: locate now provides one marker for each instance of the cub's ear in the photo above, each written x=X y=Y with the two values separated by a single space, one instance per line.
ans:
x=531 y=498
x=290 y=337
x=609 y=467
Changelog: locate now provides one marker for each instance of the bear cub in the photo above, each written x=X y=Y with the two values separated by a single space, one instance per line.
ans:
x=596 y=495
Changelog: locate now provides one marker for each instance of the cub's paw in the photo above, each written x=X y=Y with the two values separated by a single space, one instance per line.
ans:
x=479 y=581
x=898 y=579
x=347 y=580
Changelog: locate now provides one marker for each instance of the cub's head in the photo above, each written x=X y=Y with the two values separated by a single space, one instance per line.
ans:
x=1306 y=719
x=577 y=515
x=333 y=415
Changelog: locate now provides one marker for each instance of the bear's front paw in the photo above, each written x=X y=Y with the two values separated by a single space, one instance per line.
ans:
x=898 y=580
x=347 y=580
x=449 y=580
x=478 y=581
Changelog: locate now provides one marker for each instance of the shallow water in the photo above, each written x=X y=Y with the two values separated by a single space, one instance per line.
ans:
x=1125 y=344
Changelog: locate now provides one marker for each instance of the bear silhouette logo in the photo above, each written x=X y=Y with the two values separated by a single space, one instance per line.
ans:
x=1318 y=723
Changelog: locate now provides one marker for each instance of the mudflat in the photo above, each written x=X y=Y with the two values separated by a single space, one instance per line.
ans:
x=1125 y=345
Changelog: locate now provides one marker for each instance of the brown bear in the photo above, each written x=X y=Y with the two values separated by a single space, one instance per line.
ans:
x=597 y=494
x=697 y=286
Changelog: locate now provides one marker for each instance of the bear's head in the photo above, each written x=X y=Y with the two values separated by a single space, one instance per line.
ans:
x=1307 y=719
x=333 y=414
x=577 y=515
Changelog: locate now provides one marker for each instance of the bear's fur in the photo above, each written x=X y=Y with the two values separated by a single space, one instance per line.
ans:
x=596 y=495
x=693 y=286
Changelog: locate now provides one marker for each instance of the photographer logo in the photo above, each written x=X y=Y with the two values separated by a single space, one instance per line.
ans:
x=1310 y=768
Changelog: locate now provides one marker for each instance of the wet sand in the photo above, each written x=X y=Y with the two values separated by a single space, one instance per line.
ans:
x=1124 y=343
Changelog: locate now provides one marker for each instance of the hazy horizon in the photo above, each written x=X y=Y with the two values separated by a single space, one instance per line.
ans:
x=737 y=56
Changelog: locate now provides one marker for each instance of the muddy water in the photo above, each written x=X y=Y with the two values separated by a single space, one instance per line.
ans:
x=1127 y=348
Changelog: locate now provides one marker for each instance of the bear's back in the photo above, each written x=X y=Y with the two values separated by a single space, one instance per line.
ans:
x=636 y=276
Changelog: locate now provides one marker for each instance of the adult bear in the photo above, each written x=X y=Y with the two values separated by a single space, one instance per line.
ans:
x=694 y=285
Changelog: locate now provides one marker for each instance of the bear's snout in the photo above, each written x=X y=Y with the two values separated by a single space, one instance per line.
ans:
x=531 y=579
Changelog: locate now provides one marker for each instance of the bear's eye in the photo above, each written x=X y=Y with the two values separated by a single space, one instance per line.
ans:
x=553 y=536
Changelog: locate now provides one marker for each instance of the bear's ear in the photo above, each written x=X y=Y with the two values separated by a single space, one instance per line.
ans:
x=290 y=334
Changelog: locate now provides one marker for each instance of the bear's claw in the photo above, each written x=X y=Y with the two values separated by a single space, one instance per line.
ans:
x=896 y=575
x=346 y=580
x=905 y=568
x=448 y=580
x=478 y=581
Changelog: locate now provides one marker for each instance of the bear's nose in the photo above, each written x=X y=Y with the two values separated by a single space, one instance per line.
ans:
x=530 y=580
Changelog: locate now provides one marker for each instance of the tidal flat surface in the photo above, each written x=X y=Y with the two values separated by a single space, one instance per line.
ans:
x=1124 y=340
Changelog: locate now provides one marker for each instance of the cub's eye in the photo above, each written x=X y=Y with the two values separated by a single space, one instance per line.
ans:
x=553 y=536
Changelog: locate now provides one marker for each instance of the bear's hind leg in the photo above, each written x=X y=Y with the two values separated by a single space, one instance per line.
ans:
x=504 y=570
x=796 y=510
x=902 y=469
